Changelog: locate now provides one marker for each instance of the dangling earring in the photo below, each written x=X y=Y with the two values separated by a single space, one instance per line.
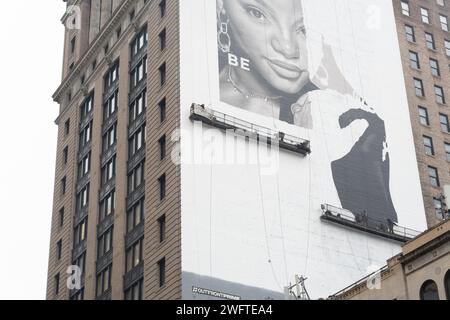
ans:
x=223 y=39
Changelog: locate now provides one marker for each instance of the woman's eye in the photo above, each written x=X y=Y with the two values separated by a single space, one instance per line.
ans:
x=255 y=13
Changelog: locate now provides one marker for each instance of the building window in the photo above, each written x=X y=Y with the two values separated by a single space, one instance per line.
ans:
x=110 y=106
x=139 y=73
x=86 y=135
x=430 y=41
x=86 y=107
x=162 y=110
x=65 y=155
x=135 y=292
x=67 y=124
x=59 y=249
x=414 y=60
x=57 y=284
x=63 y=185
x=136 y=141
x=112 y=75
x=444 y=22
x=429 y=291
x=105 y=243
x=162 y=8
x=136 y=177
x=135 y=216
x=445 y=127
x=441 y=2
x=428 y=143
x=438 y=207
x=405 y=8
x=73 y=43
x=107 y=205
x=434 y=65
x=138 y=106
x=447 y=284
x=162 y=228
x=162 y=272
x=80 y=232
x=440 y=97
x=162 y=187
x=139 y=42
x=447 y=47
x=103 y=281
x=162 y=148
x=410 y=33
x=425 y=14
x=108 y=171
x=162 y=39
x=84 y=166
x=80 y=262
x=162 y=74
x=109 y=138
x=418 y=84
x=423 y=116
x=83 y=198
x=447 y=151
x=434 y=176
x=61 y=217
x=134 y=255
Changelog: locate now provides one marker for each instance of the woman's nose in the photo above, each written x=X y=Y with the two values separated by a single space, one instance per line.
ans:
x=285 y=43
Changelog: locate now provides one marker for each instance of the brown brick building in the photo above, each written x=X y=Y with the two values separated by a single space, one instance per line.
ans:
x=423 y=28
x=116 y=190
x=117 y=196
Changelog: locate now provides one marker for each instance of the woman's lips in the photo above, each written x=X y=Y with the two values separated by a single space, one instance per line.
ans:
x=285 y=69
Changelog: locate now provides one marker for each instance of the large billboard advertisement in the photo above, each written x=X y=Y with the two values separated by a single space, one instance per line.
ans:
x=328 y=72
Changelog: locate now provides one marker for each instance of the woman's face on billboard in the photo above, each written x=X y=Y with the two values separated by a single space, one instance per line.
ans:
x=272 y=36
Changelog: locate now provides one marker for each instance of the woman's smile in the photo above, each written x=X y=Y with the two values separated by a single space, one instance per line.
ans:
x=285 y=69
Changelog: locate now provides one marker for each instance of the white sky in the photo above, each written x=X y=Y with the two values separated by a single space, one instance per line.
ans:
x=31 y=38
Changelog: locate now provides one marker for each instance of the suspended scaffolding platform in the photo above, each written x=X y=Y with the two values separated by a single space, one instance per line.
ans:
x=361 y=222
x=225 y=122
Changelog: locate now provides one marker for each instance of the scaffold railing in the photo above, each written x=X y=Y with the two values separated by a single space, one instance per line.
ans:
x=363 y=222
x=226 y=122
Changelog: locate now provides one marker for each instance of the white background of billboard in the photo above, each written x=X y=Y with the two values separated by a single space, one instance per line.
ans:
x=233 y=223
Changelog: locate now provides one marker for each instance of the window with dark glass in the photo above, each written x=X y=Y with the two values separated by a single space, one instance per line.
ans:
x=82 y=198
x=108 y=205
x=112 y=75
x=105 y=243
x=162 y=147
x=434 y=176
x=86 y=107
x=162 y=272
x=136 y=177
x=109 y=138
x=80 y=262
x=136 y=141
x=133 y=255
x=110 y=106
x=428 y=144
x=445 y=127
x=138 y=106
x=103 y=281
x=135 y=292
x=108 y=171
x=135 y=215
x=84 y=166
x=162 y=187
x=162 y=110
x=80 y=232
x=429 y=291
x=86 y=135
x=162 y=228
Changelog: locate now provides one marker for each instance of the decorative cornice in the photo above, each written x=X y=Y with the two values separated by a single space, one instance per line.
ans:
x=93 y=50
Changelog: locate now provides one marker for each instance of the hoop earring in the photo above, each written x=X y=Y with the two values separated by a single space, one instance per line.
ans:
x=224 y=39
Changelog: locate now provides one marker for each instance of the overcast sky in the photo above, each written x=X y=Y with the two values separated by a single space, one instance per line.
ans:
x=31 y=38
